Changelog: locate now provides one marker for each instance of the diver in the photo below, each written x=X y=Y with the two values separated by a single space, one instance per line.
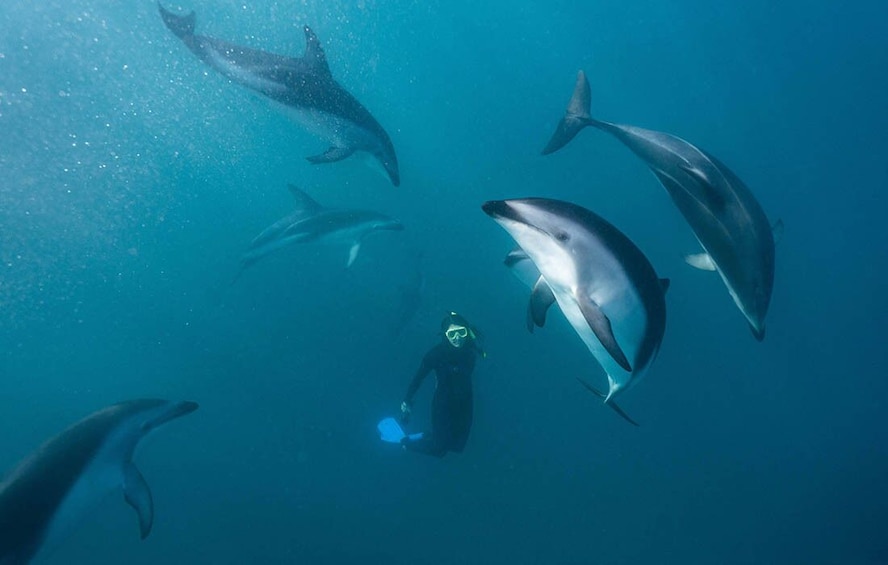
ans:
x=453 y=360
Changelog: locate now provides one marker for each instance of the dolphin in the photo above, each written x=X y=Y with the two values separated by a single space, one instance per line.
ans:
x=304 y=87
x=525 y=271
x=310 y=221
x=410 y=292
x=729 y=223
x=603 y=283
x=46 y=496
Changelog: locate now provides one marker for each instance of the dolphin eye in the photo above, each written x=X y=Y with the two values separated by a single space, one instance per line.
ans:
x=561 y=236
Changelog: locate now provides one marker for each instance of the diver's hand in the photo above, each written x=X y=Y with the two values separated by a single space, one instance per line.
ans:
x=405 y=412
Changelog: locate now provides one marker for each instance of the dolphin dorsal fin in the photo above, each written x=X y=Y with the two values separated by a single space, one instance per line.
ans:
x=314 y=54
x=303 y=203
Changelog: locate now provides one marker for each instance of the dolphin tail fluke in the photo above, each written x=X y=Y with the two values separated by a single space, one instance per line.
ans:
x=613 y=405
x=138 y=495
x=575 y=118
x=181 y=26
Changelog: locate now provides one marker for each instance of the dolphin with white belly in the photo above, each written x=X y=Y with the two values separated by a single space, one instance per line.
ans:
x=303 y=85
x=727 y=220
x=604 y=285
x=311 y=222
x=525 y=271
x=49 y=493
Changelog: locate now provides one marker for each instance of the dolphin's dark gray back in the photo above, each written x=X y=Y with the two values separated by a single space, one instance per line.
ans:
x=50 y=472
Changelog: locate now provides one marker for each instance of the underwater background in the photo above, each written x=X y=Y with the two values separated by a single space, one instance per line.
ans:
x=132 y=177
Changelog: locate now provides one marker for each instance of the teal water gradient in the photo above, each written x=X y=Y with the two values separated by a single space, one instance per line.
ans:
x=132 y=177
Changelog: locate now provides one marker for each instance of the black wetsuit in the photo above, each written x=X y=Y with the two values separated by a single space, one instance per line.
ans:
x=452 y=403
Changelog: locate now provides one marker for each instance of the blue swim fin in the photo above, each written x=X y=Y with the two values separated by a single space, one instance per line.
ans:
x=390 y=431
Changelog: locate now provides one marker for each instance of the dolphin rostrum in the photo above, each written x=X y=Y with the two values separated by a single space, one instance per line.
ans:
x=602 y=282
x=53 y=489
x=310 y=221
x=725 y=217
x=302 y=85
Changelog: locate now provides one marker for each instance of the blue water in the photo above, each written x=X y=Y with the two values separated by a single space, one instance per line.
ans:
x=132 y=177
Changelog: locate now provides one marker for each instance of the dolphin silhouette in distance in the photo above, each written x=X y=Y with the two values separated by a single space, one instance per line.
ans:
x=311 y=222
x=725 y=217
x=603 y=283
x=51 y=491
x=303 y=86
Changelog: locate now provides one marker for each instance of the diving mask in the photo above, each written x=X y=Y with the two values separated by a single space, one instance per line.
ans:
x=456 y=335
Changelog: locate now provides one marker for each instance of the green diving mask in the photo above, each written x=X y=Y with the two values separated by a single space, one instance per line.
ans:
x=456 y=335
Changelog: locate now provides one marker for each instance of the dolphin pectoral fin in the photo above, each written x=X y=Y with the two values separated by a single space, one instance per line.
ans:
x=612 y=404
x=181 y=26
x=331 y=155
x=601 y=327
x=353 y=253
x=575 y=118
x=541 y=297
x=138 y=495
x=702 y=261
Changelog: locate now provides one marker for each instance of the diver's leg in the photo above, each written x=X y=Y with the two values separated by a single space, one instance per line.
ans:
x=436 y=441
x=428 y=445
x=461 y=423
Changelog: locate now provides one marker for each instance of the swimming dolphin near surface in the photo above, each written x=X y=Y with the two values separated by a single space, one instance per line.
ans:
x=726 y=218
x=602 y=282
x=310 y=221
x=525 y=271
x=53 y=489
x=303 y=85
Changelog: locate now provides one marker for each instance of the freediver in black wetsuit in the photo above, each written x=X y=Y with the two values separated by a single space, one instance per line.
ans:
x=453 y=360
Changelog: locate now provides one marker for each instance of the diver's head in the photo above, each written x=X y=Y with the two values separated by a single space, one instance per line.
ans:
x=456 y=329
